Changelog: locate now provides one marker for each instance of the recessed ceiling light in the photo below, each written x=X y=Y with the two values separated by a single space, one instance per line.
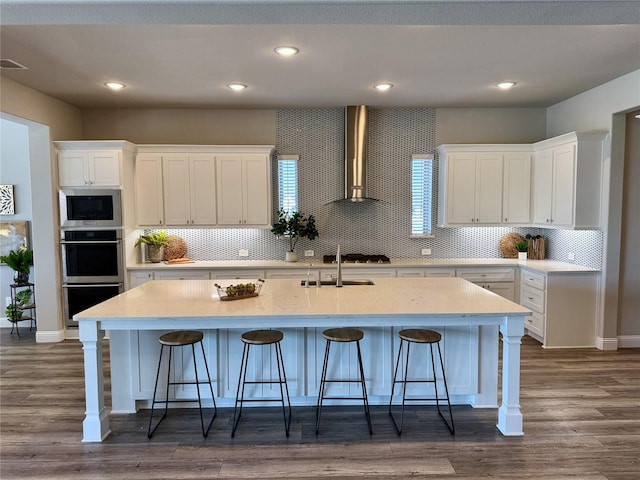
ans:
x=237 y=86
x=505 y=85
x=115 y=85
x=286 y=51
x=383 y=87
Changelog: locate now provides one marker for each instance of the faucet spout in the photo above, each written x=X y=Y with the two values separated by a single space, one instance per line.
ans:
x=339 y=272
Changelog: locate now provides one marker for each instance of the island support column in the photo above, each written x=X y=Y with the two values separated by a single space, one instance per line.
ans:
x=95 y=426
x=509 y=414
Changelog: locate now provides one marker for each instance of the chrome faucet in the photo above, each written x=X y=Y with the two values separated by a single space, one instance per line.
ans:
x=339 y=272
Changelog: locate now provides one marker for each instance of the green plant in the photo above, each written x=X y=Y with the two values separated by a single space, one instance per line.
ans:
x=522 y=246
x=13 y=312
x=156 y=239
x=23 y=297
x=295 y=226
x=19 y=260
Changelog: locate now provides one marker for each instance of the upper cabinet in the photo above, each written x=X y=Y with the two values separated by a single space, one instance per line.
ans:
x=554 y=183
x=203 y=185
x=479 y=184
x=567 y=181
x=244 y=189
x=92 y=163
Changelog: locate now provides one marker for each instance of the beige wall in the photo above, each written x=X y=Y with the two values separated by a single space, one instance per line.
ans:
x=181 y=126
x=47 y=119
x=490 y=125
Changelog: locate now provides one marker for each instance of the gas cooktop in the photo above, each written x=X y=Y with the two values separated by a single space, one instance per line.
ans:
x=357 y=258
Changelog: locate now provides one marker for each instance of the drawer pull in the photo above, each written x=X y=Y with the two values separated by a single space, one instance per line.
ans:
x=529 y=320
x=530 y=298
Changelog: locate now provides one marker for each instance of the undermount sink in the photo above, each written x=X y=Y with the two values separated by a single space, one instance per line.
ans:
x=332 y=283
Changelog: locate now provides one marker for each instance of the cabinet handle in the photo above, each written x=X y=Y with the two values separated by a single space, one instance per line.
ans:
x=530 y=298
x=529 y=320
x=505 y=219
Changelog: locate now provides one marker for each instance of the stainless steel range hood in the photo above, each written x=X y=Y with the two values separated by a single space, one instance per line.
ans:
x=355 y=151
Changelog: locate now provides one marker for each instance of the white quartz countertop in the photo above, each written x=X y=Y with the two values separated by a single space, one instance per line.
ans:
x=285 y=300
x=544 y=266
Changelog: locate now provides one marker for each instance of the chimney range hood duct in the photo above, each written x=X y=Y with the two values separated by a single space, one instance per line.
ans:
x=355 y=151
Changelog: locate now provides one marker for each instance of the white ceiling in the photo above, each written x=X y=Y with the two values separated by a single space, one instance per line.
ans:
x=435 y=53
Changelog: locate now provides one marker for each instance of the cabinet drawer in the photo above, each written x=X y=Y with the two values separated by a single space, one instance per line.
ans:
x=535 y=324
x=478 y=275
x=532 y=298
x=533 y=279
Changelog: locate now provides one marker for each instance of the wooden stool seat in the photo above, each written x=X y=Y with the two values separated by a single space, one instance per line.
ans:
x=343 y=334
x=262 y=337
x=181 y=338
x=419 y=335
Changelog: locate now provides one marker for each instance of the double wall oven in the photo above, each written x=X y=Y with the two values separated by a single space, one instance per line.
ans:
x=91 y=245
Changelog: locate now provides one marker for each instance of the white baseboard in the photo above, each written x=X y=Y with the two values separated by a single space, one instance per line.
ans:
x=54 y=336
x=629 y=341
x=606 y=343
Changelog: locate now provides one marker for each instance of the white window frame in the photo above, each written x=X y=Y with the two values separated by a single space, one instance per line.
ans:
x=422 y=196
x=288 y=198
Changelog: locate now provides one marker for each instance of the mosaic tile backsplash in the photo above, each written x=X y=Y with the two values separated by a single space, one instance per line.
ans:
x=317 y=137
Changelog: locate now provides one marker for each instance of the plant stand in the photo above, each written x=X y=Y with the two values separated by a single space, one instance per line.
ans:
x=30 y=307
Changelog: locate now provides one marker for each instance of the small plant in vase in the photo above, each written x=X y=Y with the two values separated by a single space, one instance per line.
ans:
x=21 y=262
x=155 y=242
x=294 y=226
x=13 y=313
x=523 y=248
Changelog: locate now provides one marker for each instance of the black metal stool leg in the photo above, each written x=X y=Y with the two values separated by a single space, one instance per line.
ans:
x=322 y=386
x=365 y=398
x=281 y=374
x=242 y=377
x=153 y=401
x=213 y=398
x=451 y=426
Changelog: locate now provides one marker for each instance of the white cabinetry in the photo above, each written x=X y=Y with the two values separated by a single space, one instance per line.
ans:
x=92 y=163
x=567 y=181
x=189 y=193
x=484 y=184
x=149 y=193
x=563 y=307
x=426 y=272
x=498 y=280
x=244 y=189
x=138 y=277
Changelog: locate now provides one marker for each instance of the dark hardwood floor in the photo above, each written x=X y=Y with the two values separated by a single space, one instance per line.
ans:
x=581 y=410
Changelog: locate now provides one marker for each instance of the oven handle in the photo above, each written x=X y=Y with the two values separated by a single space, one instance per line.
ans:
x=81 y=242
x=87 y=285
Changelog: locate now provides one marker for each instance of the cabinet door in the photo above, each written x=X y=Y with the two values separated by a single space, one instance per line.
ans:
x=516 y=188
x=563 y=184
x=149 y=195
x=137 y=278
x=229 y=189
x=505 y=290
x=203 y=192
x=104 y=169
x=181 y=275
x=256 y=189
x=72 y=169
x=488 y=190
x=177 y=197
x=461 y=184
x=543 y=187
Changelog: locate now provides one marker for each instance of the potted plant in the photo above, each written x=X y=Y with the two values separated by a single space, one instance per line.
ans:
x=295 y=226
x=155 y=242
x=13 y=313
x=522 y=247
x=21 y=262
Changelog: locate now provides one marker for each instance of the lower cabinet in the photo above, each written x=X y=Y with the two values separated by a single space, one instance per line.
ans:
x=563 y=307
x=426 y=272
x=500 y=280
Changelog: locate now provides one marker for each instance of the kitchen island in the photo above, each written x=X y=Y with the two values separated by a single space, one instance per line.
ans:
x=468 y=316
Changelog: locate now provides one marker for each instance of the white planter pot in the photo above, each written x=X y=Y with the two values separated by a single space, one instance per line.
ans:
x=291 y=257
x=522 y=255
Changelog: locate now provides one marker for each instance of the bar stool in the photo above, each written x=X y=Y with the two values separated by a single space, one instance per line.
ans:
x=261 y=337
x=428 y=337
x=182 y=339
x=342 y=335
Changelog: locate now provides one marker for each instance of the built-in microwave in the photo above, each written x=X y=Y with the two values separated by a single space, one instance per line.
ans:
x=90 y=207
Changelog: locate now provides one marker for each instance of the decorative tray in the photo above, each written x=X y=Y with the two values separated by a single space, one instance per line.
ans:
x=240 y=291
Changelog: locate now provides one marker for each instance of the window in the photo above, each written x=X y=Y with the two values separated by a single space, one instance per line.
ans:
x=421 y=192
x=288 y=182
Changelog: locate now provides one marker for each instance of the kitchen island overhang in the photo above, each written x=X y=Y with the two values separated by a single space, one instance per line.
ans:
x=390 y=303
